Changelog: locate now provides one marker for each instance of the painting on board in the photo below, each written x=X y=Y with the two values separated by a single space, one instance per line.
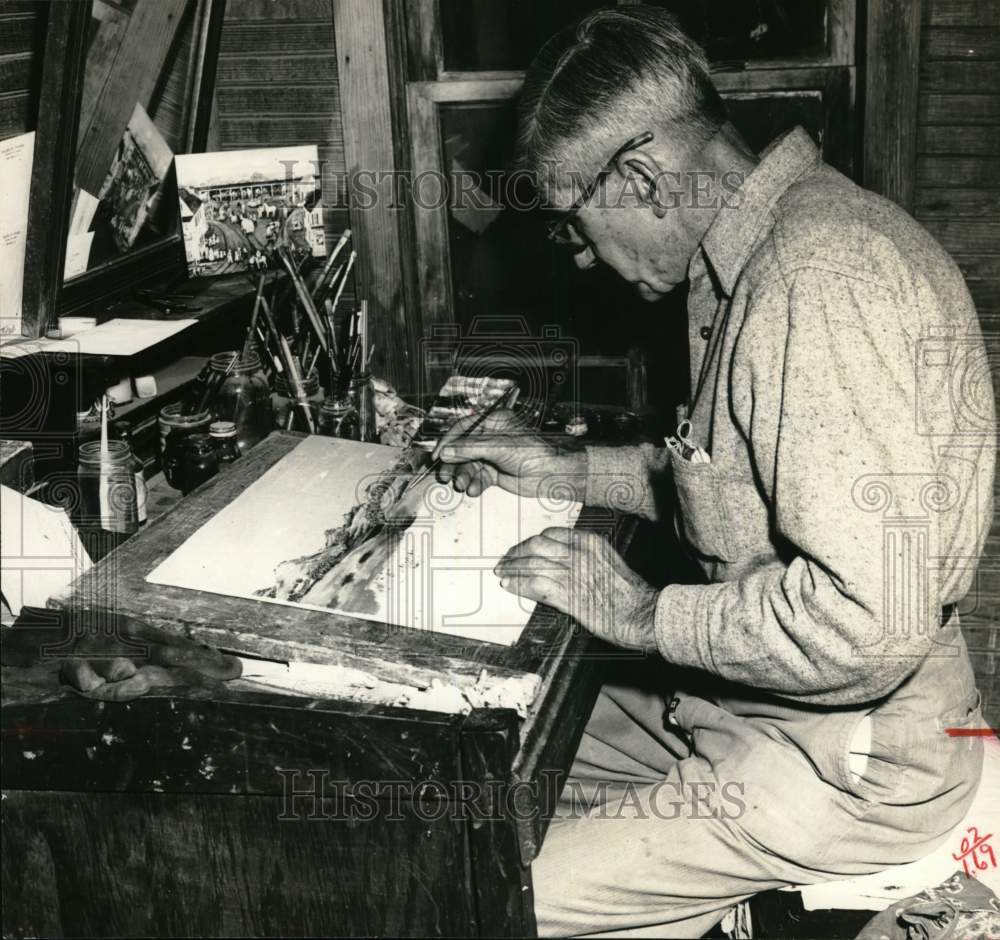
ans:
x=134 y=182
x=358 y=539
x=238 y=207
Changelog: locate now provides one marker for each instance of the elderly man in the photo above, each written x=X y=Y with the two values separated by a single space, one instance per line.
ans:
x=787 y=723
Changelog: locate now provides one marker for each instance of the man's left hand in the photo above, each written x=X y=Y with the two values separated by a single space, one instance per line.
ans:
x=580 y=574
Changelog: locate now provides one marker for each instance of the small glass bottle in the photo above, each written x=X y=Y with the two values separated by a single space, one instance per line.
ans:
x=223 y=435
x=338 y=418
x=363 y=398
x=107 y=487
x=174 y=430
x=283 y=401
x=122 y=431
x=198 y=462
x=244 y=398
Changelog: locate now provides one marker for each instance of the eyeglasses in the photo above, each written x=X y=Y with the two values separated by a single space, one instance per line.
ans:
x=558 y=229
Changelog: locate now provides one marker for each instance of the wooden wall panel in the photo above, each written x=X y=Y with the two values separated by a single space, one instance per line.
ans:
x=892 y=59
x=958 y=199
x=277 y=85
x=22 y=36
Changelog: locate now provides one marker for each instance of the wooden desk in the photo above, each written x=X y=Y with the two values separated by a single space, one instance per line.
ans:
x=239 y=812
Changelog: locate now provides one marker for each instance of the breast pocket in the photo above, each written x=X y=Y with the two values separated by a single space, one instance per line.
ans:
x=701 y=509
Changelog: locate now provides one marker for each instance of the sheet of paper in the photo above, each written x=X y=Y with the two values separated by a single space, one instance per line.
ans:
x=436 y=574
x=120 y=337
x=16 y=158
x=77 y=254
x=84 y=207
x=40 y=551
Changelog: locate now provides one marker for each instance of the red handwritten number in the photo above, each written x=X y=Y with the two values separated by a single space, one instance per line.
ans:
x=977 y=850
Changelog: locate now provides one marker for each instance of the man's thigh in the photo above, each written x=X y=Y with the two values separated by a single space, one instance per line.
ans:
x=667 y=857
x=627 y=737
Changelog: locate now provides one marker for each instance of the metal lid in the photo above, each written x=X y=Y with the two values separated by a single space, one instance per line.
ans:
x=222 y=429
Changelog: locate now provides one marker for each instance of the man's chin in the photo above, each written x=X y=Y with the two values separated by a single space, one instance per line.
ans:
x=652 y=294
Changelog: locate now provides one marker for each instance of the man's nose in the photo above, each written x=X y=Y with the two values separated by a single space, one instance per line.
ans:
x=585 y=258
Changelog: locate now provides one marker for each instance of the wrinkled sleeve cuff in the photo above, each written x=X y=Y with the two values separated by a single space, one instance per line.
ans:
x=618 y=479
x=681 y=628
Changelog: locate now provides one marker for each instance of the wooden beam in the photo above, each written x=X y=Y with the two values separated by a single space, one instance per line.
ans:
x=362 y=64
x=892 y=59
x=52 y=171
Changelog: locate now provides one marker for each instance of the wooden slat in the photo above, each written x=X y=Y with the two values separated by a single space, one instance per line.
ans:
x=890 y=124
x=294 y=69
x=982 y=274
x=956 y=76
x=276 y=37
x=17 y=34
x=237 y=133
x=962 y=12
x=986 y=295
x=169 y=106
x=948 y=203
x=363 y=68
x=15 y=72
x=959 y=109
x=960 y=43
x=275 y=99
x=15 y=114
x=958 y=171
x=978 y=140
x=278 y=9
x=966 y=236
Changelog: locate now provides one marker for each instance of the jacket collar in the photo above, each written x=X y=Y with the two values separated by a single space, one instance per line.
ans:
x=736 y=229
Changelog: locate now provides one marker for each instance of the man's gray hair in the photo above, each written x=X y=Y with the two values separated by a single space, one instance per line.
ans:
x=618 y=73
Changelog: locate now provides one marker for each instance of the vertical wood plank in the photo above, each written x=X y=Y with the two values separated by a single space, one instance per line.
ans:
x=500 y=883
x=892 y=59
x=362 y=64
x=52 y=171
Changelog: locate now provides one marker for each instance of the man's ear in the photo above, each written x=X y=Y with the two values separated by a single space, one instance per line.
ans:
x=651 y=181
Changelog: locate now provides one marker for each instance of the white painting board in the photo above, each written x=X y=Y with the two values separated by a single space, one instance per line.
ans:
x=438 y=576
x=119 y=337
x=40 y=551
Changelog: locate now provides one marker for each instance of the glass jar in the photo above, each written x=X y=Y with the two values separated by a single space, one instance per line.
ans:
x=198 y=462
x=338 y=418
x=363 y=398
x=107 y=487
x=244 y=398
x=223 y=435
x=283 y=401
x=174 y=430
x=122 y=431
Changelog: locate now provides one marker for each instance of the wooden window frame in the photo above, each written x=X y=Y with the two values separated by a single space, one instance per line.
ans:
x=425 y=99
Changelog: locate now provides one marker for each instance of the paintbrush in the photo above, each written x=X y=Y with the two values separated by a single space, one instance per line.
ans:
x=321 y=285
x=343 y=280
x=294 y=381
x=254 y=315
x=434 y=464
x=214 y=385
x=305 y=299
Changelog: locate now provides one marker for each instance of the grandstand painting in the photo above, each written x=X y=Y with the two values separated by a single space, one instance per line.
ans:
x=239 y=206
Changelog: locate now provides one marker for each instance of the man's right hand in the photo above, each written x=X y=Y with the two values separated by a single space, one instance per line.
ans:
x=501 y=451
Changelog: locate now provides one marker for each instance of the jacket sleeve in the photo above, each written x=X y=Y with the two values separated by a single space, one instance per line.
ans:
x=626 y=479
x=830 y=407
